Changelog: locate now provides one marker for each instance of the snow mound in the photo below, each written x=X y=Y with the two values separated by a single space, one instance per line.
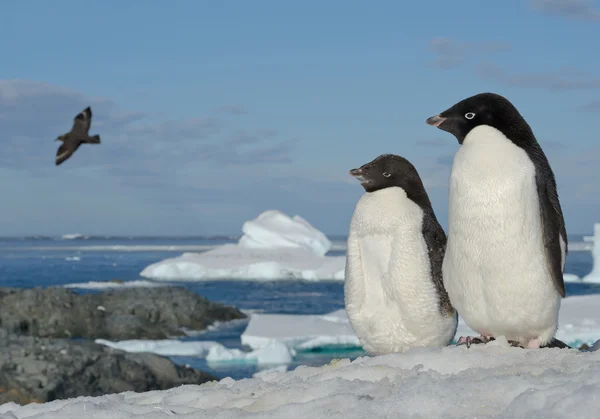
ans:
x=273 y=353
x=300 y=332
x=98 y=285
x=166 y=347
x=274 y=229
x=494 y=380
x=274 y=246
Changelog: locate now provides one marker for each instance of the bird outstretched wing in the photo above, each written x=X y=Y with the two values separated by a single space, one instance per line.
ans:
x=82 y=122
x=65 y=151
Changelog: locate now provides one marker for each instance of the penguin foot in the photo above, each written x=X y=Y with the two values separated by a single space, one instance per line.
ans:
x=470 y=340
x=515 y=344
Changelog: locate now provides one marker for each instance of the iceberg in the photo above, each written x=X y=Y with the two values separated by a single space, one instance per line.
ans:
x=274 y=229
x=594 y=275
x=571 y=278
x=274 y=246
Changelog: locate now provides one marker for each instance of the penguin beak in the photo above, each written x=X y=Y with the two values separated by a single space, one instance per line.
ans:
x=358 y=174
x=435 y=121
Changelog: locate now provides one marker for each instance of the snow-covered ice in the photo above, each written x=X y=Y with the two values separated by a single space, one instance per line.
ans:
x=594 y=275
x=273 y=353
x=165 y=347
x=72 y=236
x=571 y=278
x=274 y=246
x=273 y=229
x=484 y=381
x=94 y=285
x=300 y=331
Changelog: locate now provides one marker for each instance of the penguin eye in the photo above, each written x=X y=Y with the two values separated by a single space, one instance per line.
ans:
x=469 y=115
x=386 y=174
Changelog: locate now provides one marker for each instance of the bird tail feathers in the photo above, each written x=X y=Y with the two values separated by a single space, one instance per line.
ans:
x=94 y=139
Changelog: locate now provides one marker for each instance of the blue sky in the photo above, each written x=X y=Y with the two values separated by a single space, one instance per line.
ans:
x=212 y=112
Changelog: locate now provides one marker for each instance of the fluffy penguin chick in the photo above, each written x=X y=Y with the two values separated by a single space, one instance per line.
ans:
x=394 y=294
x=507 y=243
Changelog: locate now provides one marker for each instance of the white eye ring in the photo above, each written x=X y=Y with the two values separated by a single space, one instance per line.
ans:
x=386 y=174
x=469 y=115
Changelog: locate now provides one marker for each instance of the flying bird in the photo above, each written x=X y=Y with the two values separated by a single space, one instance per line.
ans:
x=77 y=136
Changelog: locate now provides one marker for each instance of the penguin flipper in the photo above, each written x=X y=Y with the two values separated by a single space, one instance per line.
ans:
x=435 y=239
x=553 y=225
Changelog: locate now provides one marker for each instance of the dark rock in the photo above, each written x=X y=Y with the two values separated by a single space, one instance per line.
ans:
x=133 y=313
x=41 y=370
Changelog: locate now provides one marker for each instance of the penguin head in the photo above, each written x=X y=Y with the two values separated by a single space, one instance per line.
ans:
x=482 y=109
x=385 y=171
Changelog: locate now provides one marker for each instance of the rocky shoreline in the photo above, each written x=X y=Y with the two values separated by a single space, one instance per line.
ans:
x=134 y=313
x=39 y=362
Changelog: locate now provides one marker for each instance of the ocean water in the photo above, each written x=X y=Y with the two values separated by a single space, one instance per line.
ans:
x=31 y=262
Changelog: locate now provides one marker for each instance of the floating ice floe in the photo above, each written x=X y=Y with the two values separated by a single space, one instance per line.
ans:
x=165 y=347
x=273 y=353
x=96 y=285
x=491 y=380
x=300 y=332
x=274 y=246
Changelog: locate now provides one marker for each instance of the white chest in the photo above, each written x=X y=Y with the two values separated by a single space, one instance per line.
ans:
x=495 y=268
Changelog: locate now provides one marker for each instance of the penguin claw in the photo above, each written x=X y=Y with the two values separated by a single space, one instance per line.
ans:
x=470 y=340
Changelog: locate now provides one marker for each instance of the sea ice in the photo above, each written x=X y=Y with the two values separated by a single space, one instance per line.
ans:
x=300 y=331
x=165 y=347
x=594 y=275
x=492 y=380
x=273 y=353
x=94 y=285
x=274 y=246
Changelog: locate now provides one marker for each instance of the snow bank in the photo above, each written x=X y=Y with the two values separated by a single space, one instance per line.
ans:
x=274 y=246
x=272 y=353
x=95 y=285
x=300 y=331
x=166 y=347
x=494 y=380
